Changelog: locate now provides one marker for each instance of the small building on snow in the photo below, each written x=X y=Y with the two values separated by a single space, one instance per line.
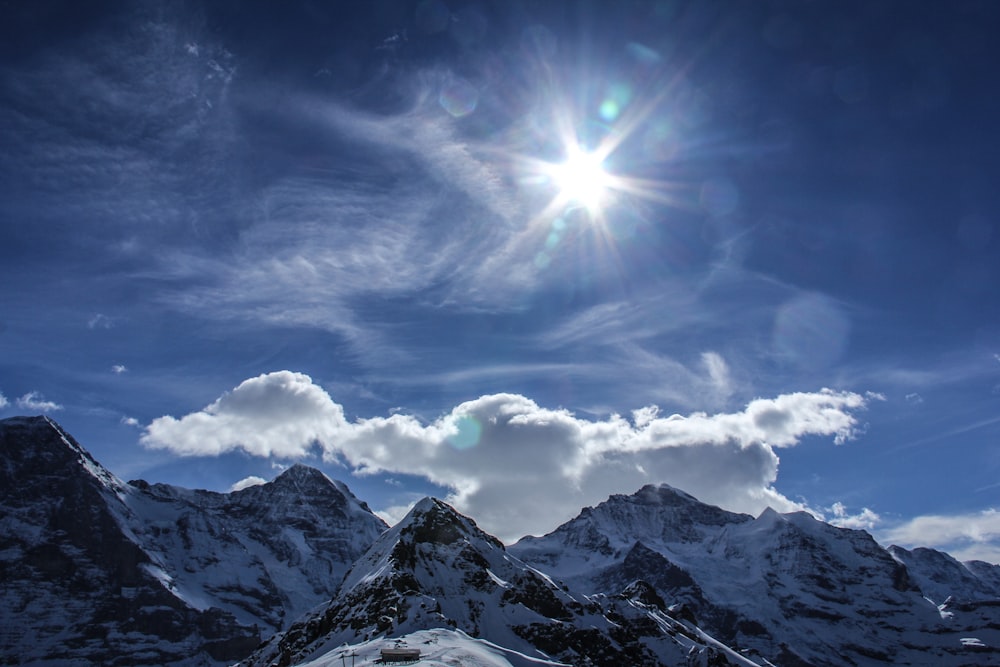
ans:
x=399 y=655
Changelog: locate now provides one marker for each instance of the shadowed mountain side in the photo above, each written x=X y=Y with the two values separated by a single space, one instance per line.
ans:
x=97 y=571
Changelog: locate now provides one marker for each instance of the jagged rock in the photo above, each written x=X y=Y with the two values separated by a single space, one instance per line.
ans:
x=436 y=569
x=97 y=571
x=786 y=587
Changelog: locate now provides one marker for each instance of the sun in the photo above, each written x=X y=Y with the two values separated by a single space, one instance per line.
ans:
x=582 y=180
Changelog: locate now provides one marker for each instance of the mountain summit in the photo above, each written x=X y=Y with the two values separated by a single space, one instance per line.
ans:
x=787 y=586
x=98 y=570
x=437 y=569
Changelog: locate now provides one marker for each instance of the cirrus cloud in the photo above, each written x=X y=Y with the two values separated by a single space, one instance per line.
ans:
x=516 y=466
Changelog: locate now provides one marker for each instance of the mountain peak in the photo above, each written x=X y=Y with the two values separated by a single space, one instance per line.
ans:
x=155 y=572
x=300 y=474
x=435 y=521
x=661 y=512
x=39 y=432
x=25 y=421
x=771 y=515
x=40 y=445
x=435 y=569
x=302 y=491
x=663 y=494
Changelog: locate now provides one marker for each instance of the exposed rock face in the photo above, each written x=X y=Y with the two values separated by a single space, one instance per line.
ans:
x=77 y=588
x=790 y=588
x=266 y=553
x=436 y=569
x=97 y=571
x=939 y=576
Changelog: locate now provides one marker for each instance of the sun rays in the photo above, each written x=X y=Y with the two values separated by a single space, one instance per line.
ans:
x=590 y=183
x=591 y=164
x=582 y=179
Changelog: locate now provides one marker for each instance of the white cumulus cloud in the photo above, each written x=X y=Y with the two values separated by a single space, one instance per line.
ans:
x=278 y=414
x=515 y=466
x=394 y=514
x=866 y=519
x=972 y=536
x=35 y=401
x=246 y=482
x=3 y=401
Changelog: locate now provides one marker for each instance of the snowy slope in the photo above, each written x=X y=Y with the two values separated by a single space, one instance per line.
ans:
x=77 y=589
x=796 y=590
x=437 y=570
x=438 y=648
x=939 y=576
x=97 y=571
x=266 y=553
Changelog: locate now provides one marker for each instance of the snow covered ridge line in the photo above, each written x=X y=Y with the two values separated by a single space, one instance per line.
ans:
x=441 y=647
x=714 y=588
x=437 y=569
x=157 y=574
x=562 y=456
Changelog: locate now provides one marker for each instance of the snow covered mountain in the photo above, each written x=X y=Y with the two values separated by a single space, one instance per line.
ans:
x=794 y=589
x=266 y=553
x=436 y=570
x=94 y=570
x=939 y=576
x=97 y=571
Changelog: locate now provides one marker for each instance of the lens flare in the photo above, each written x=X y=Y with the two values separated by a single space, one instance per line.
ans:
x=467 y=432
x=602 y=157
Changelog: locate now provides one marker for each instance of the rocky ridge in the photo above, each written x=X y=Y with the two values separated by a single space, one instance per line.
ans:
x=97 y=571
x=787 y=586
x=437 y=569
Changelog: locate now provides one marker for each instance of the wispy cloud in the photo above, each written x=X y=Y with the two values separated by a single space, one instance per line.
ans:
x=111 y=133
x=413 y=212
x=118 y=369
x=618 y=322
x=490 y=373
x=950 y=433
x=100 y=321
x=966 y=536
x=3 y=401
x=958 y=367
x=707 y=382
x=562 y=461
x=36 y=402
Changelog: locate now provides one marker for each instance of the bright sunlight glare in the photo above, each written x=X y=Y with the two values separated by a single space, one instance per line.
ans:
x=582 y=179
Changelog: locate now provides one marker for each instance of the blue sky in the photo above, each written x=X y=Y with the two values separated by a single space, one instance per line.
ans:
x=517 y=255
